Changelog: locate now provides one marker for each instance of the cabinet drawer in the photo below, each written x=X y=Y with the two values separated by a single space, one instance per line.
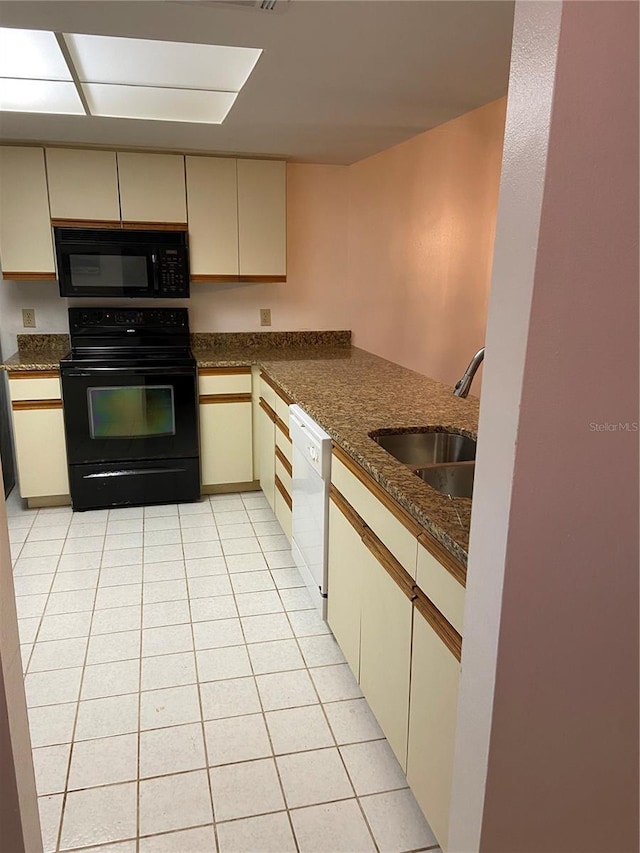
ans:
x=34 y=387
x=441 y=587
x=284 y=445
x=282 y=409
x=233 y=380
x=283 y=472
x=401 y=542
x=267 y=393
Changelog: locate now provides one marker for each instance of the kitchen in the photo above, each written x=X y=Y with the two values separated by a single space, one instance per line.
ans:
x=327 y=190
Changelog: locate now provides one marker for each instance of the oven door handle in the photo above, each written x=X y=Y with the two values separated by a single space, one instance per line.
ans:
x=129 y=371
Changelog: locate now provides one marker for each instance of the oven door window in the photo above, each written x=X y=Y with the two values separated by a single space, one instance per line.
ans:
x=132 y=411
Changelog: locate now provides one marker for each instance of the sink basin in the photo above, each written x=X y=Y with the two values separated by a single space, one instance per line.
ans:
x=417 y=449
x=444 y=460
x=455 y=480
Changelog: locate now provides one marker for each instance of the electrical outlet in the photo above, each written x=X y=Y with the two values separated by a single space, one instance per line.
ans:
x=29 y=318
x=265 y=316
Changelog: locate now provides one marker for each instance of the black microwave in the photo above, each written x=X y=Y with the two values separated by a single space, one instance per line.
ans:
x=117 y=262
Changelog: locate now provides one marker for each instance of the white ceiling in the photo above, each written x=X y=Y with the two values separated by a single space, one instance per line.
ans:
x=339 y=80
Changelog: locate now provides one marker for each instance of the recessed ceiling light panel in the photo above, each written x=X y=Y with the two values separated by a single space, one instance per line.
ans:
x=147 y=102
x=39 y=96
x=31 y=54
x=142 y=62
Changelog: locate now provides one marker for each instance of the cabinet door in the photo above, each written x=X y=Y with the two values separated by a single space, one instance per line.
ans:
x=83 y=185
x=152 y=188
x=212 y=207
x=385 y=652
x=226 y=445
x=262 y=226
x=41 y=453
x=432 y=724
x=347 y=556
x=26 y=245
x=267 y=450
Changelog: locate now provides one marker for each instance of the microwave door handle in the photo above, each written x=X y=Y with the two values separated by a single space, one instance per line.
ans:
x=154 y=265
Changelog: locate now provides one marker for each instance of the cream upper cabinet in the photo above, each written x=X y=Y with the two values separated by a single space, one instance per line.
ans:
x=212 y=206
x=83 y=185
x=152 y=188
x=262 y=227
x=26 y=245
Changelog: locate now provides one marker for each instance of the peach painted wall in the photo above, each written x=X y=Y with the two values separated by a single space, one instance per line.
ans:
x=421 y=231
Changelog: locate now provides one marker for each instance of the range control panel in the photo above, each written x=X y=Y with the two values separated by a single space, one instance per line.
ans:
x=109 y=318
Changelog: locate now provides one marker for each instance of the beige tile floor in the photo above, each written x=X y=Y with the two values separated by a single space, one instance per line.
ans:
x=183 y=694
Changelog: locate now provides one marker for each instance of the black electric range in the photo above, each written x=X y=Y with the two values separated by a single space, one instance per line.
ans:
x=129 y=388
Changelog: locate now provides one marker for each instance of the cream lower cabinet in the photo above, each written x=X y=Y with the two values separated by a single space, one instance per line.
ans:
x=226 y=429
x=385 y=649
x=435 y=673
x=266 y=451
x=344 y=604
x=396 y=611
x=38 y=426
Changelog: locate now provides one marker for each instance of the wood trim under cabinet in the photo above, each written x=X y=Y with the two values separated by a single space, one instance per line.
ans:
x=284 y=429
x=24 y=405
x=155 y=226
x=86 y=223
x=285 y=462
x=443 y=628
x=267 y=409
x=283 y=491
x=223 y=371
x=383 y=555
x=236 y=279
x=34 y=374
x=8 y=275
x=414 y=527
x=206 y=399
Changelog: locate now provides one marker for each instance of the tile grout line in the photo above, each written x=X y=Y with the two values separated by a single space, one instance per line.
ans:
x=202 y=720
x=263 y=714
x=77 y=711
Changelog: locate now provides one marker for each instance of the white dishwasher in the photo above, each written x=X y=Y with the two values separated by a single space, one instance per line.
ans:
x=310 y=497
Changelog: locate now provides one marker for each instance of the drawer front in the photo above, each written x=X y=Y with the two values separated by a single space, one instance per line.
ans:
x=441 y=587
x=282 y=409
x=283 y=475
x=268 y=394
x=224 y=381
x=400 y=541
x=32 y=387
x=284 y=445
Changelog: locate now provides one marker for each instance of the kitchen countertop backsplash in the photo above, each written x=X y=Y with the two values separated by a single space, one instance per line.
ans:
x=349 y=392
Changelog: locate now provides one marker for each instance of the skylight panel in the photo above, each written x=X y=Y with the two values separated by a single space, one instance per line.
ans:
x=143 y=62
x=39 y=96
x=46 y=72
x=31 y=54
x=147 y=102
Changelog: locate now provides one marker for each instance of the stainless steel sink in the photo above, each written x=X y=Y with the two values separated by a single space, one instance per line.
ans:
x=444 y=460
x=455 y=480
x=416 y=449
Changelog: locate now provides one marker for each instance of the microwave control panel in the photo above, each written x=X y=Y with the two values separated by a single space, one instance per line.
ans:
x=173 y=273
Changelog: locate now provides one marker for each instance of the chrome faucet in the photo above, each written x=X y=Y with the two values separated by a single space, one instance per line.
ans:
x=463 y=384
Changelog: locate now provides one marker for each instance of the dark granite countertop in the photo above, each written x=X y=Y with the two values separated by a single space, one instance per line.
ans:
x=350 y=393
